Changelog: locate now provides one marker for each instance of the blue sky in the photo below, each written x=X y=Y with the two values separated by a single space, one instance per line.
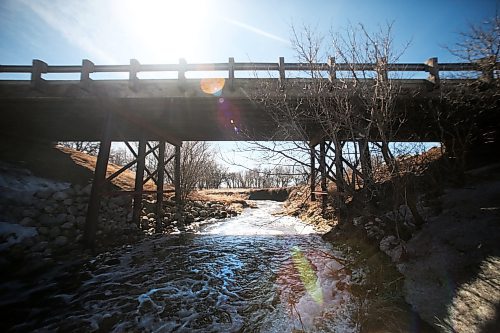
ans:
x=156 y=31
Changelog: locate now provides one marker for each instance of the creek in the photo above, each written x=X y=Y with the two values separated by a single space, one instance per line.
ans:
x=258 y=272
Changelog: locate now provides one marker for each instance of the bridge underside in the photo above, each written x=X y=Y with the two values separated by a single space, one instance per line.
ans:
x=169 y=113
x=164 y=111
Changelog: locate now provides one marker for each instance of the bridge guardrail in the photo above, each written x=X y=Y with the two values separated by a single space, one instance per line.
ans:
x=431 y=66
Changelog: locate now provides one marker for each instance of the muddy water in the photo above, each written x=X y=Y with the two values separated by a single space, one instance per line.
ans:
x=253 y=273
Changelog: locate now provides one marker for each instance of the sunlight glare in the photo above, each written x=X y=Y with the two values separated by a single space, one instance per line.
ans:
x=165 y=30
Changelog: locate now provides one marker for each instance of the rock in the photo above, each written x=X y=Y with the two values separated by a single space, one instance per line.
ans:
x=30 y=212
x=27 y=222
x=43 y=194
x=86 y=190
x=387 y=243
x=40 y=246
x=68 y=202
x=394 y=248
x=60 y=196
x=68 y=225
x=54 y=232
x=223 y=214
x=203 y=213
x=43 y=231
x=61 y=241
x=60 y=218
x=49 y=209
x=112 y=261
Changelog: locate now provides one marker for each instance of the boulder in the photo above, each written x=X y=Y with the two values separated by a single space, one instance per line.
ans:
x=61 y=241
x=54 y=232
x=60 y=196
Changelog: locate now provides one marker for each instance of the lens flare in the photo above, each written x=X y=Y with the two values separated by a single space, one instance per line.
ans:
x=307 y=275
x=212 y=86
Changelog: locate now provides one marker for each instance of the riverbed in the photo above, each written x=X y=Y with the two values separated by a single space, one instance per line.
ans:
x=258 y=272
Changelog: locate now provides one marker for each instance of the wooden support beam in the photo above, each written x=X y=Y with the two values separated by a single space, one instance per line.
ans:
x=365 y=159
x=177 y=178
x=159 y=186
x=92 y=218
x=322 y=168
x=312 y=153
x=231 y=73
x=139 y=177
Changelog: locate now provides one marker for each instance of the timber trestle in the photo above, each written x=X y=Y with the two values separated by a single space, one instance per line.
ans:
x=146 y=155
x=338 y=162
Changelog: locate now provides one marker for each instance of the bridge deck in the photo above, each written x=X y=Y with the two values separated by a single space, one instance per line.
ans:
x=187 y=109
x=157 y=109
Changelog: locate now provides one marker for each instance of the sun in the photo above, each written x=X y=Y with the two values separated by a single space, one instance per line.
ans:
x=165 y=30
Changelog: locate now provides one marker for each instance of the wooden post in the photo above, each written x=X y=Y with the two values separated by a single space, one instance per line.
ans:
x=332 y=74
x=433 y=69
x=91 y=221
x=181 y=74
x=313 y=172
x=159 y=186
x=87 y=68
x=133 y=80
x=365 y=159
x=177 y=177
x=322 y=169
x=339 y=170
x=139 y=177
x=177 y=184
x=38 y=68
x=282 y=72
x=231 y=73
x=382 y=69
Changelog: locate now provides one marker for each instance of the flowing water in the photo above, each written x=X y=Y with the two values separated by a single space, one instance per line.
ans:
x=253 y=273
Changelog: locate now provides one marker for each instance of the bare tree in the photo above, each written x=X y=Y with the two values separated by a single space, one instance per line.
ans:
x=466 y=118
x=196 y=156
x=87 y=147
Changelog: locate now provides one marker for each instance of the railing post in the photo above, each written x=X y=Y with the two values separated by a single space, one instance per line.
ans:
x=39 y=67
x=87 y=68
x=433 y=69
x=133 y=80
x=231 y=73
x=282 y=72
x=332 y=73
x=381 y=69
x=181 y=73
x=487 y=68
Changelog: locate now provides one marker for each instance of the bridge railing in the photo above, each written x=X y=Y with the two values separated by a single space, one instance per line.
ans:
x=431 y=66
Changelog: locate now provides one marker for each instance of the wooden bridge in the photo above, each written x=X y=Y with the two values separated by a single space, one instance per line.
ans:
x=183 y=109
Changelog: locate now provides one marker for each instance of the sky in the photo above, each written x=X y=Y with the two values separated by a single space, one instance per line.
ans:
x=63 y=32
